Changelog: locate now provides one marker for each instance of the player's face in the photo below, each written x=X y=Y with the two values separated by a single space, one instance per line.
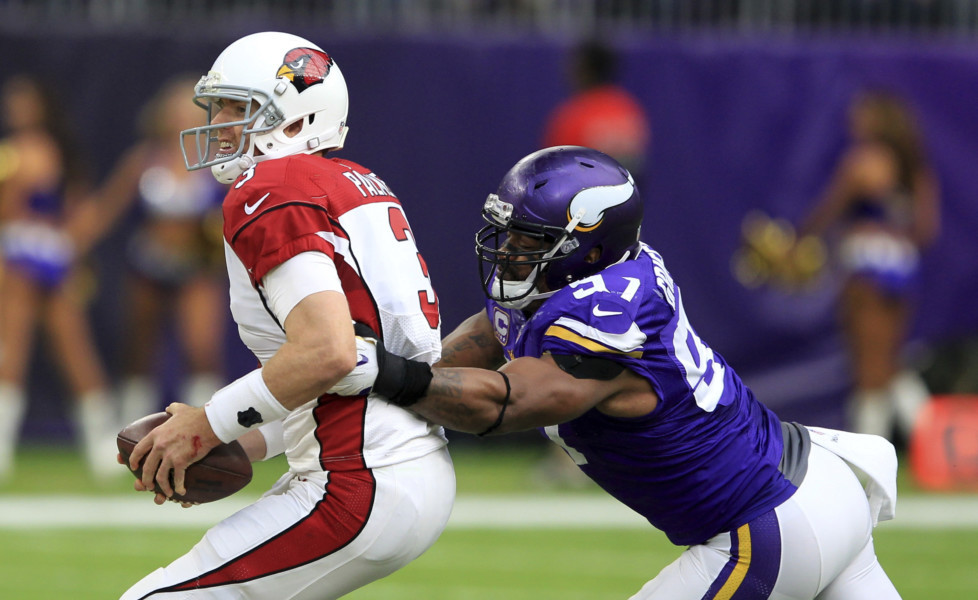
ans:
x=229 y=111
x=523 y=248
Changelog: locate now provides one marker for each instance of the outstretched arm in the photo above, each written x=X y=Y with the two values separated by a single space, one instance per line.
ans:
x=526 y=393
x=540 y=394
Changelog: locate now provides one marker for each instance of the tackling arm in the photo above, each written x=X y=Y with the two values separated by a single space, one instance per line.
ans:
x=525 y=393
x=541 y=394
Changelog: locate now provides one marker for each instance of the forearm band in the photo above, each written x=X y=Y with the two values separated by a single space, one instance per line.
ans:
x=502 y=411
x=403 y=382
x=241 y=406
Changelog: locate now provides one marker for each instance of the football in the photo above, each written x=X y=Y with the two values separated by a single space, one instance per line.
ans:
x=225 y=470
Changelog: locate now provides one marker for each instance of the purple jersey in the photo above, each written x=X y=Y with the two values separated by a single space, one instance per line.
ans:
x=706 y=460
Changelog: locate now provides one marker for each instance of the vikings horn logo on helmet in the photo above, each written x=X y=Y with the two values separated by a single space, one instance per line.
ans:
x=596 y=200
x=305 y=67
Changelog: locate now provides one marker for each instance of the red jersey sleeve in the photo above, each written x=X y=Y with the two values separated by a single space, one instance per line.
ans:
x=268 y=221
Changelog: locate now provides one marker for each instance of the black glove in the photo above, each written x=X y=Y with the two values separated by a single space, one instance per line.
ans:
x=402 y=381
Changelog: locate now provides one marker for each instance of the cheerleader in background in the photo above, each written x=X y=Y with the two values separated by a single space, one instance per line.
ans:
x=41 y=181
x=175 y=255
x=882 y=209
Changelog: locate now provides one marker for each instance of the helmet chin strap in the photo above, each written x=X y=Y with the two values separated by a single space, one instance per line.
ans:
x=527 y=300
x=527 y=287
x=227 y=172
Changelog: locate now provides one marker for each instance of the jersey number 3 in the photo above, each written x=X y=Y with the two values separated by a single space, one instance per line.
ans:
x=426 y=295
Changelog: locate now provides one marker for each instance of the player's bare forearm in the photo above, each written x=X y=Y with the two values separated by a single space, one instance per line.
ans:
x=254 y=445
x=472 y=344
x=540 y=394
x=463 y=399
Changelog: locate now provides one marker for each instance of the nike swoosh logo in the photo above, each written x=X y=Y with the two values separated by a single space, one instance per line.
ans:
x=362 y=360
x=251 y=208
x=604 y=313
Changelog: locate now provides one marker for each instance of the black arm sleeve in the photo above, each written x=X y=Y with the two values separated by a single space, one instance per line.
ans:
x=588 y=367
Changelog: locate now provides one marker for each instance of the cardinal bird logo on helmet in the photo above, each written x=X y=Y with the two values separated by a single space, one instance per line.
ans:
x=305 y=67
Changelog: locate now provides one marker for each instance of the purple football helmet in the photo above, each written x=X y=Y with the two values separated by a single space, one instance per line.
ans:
x=573 y=199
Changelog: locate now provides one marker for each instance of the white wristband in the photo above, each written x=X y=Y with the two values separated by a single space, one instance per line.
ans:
x=242 y=405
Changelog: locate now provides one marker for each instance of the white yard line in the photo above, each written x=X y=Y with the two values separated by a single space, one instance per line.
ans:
x=499 y=512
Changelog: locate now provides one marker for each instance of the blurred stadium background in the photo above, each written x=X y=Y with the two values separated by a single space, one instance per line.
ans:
x=747 y=100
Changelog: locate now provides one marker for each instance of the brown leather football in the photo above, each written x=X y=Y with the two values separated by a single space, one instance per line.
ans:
x=225 y=470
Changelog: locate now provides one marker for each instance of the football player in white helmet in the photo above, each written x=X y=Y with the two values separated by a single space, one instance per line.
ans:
x=313 y=246
x=304 y=86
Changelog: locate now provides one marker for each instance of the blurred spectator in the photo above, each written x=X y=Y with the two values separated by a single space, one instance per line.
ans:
x=600 y=113
x=882 y=205
x=41 y=181
x=603 y=115
x=175 y=254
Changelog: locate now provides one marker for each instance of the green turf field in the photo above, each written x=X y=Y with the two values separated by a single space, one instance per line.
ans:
x=465 y=564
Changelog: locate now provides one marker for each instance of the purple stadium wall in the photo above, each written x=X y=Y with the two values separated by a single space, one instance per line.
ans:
x=737 y=125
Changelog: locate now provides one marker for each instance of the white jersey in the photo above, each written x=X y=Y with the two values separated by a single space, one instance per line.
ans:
x=306 y=203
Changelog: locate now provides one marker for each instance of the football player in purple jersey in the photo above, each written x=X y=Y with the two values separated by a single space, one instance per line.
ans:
x=586 y=327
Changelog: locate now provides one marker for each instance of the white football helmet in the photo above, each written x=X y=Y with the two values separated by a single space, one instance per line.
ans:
x=282 y=78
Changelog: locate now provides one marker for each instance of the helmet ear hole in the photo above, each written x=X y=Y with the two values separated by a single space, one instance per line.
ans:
x=593 y=255
x=294 y=128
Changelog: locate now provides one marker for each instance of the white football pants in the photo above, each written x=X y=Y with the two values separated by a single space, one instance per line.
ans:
x=317 y=536
x=817 y=545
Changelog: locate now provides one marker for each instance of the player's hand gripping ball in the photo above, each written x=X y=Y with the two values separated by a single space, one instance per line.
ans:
x=222 y=472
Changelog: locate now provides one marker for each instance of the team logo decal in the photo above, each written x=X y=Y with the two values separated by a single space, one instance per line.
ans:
x=250 y=417
x=596 y=200
x=500 y=324
x=305 y=67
